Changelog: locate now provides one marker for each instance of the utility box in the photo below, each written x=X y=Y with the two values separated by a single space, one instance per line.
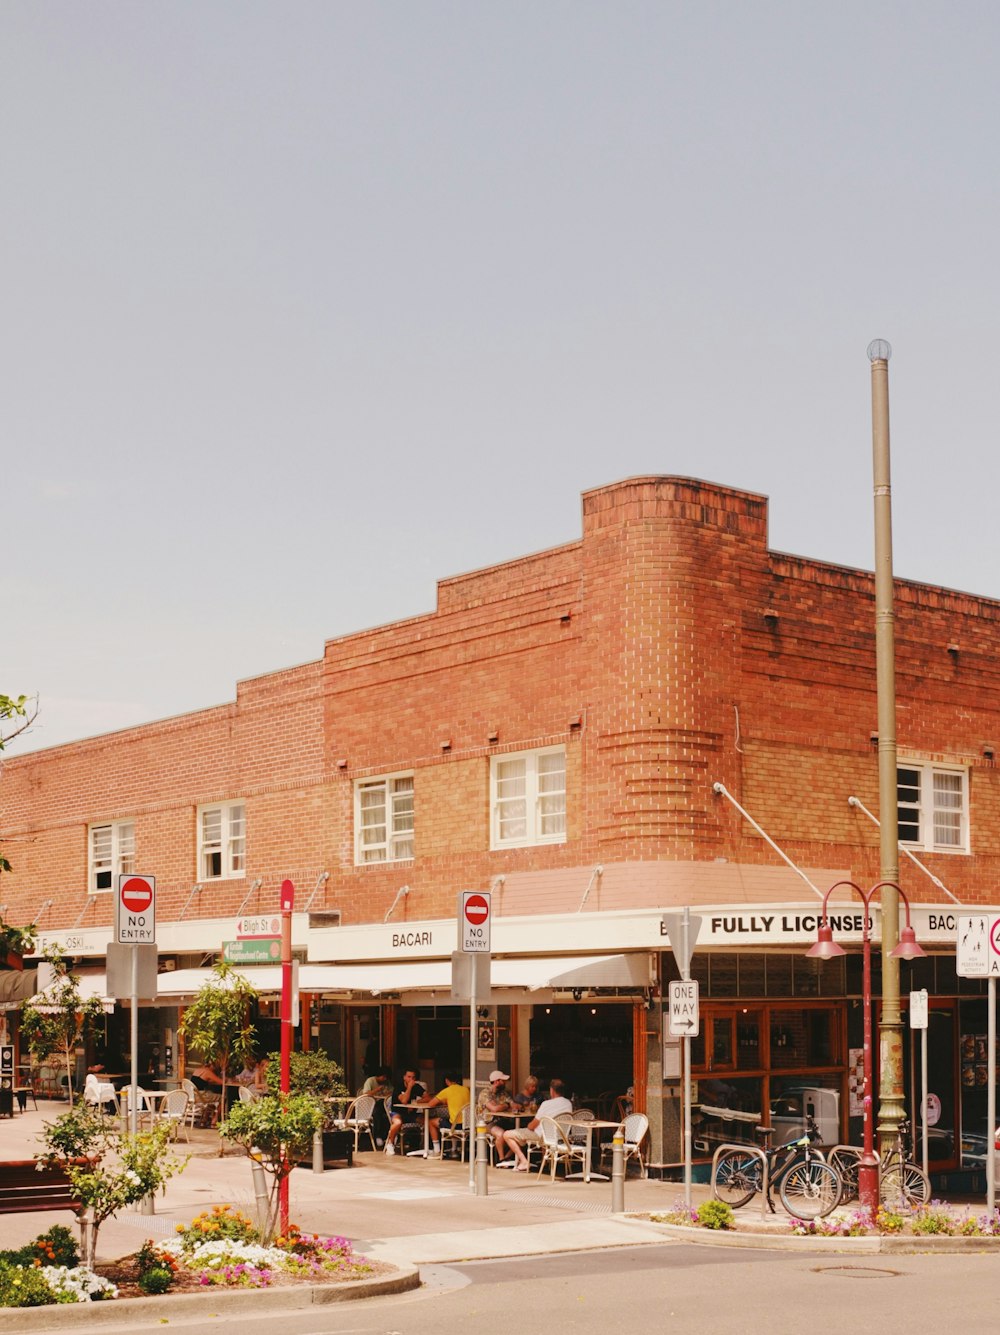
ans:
x=791 y=1108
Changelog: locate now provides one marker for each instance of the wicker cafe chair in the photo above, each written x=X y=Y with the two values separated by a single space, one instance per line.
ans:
x=176 y=1112
x=556 y=1146
x=457 y=1135
x=634 y=1128
x=358 y=1118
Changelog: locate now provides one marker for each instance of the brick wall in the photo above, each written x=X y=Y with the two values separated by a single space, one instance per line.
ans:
x=666 y=650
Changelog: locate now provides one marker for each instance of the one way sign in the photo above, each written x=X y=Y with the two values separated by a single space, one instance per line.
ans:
x=684 y=1017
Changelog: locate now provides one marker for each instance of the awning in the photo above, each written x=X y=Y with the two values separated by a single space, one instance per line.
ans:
x=553 y=972
x=564 y=972
x=88 y=985
x=16 y=985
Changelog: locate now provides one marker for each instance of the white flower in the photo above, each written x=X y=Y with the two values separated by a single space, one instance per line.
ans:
x=79 y=1283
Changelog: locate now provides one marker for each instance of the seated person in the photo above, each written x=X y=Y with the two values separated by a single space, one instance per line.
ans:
x=453 y=1098
x=527 y=1100
x=556 y=1103
x=208 y=1090
x=379 y=1086
x=494 y=1099
x=410 y=1092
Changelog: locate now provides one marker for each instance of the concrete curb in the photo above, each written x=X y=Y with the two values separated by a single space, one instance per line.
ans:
x=876 y=1245
x=127 y=1312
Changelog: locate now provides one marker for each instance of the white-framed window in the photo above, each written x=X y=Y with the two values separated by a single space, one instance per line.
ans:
x=383 y=819
x=933 y=806
x=111 y=854
x=222 y=841
x=528 y=798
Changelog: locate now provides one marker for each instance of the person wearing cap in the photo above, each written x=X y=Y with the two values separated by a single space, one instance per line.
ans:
x=494 y=1099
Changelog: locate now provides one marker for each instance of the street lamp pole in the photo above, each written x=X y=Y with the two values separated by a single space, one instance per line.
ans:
x=890 y=1023
x=907 y=948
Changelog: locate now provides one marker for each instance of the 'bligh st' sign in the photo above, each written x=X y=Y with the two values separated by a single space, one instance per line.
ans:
x=135 y=910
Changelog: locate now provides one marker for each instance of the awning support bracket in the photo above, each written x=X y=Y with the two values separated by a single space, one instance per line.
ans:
x=856 y=802
x=723 y=791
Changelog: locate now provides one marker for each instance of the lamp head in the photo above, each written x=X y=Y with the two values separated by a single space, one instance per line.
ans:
x=908 y=948
x=825 y=948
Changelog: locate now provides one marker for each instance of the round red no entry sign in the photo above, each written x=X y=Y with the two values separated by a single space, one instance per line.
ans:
x=477 y=910
x=136 y=895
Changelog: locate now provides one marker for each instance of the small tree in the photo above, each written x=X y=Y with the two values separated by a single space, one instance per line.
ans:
x=21 y=712
x=217 y=1023
x=116 y=1169
x=275 y=1134
x=60 y=1020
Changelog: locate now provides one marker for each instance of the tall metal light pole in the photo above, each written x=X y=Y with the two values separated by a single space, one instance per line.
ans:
x=891 y=1110
x=827 y=949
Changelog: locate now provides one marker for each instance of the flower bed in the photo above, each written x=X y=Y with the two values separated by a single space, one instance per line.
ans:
x=217 y=1249
x=936 y=1219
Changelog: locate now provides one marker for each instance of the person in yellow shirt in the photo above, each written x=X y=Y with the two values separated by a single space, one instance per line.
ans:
x=452 y=1099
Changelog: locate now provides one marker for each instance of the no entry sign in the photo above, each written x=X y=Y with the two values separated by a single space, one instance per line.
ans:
x=135 y=910
x=474 y=922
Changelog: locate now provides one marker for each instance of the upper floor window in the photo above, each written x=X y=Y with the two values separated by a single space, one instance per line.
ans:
x=383 y=819
x=112 y=853
x=528 y=798
x=222 y=834
x=933 y=804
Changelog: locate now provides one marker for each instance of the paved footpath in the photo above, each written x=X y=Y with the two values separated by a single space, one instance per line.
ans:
x=401 y=1210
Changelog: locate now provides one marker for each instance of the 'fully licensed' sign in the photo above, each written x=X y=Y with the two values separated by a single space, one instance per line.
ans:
x=135 y=910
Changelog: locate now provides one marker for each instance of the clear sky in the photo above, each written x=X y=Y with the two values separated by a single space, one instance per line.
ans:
x=306 y=305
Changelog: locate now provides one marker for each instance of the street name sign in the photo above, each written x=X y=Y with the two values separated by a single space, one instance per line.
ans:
x=253 y=950
x=135 y=910
x=258 y=927
x=474 y=921
x=684 y=1016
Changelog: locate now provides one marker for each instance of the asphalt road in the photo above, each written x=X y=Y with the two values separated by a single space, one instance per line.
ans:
x=674 y=1287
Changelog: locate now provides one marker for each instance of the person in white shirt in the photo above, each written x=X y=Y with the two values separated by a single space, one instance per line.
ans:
x=556 y=1103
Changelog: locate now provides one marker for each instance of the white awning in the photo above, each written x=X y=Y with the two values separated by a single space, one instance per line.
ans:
x=554 y=972
x=88 y=985
x=562 y=972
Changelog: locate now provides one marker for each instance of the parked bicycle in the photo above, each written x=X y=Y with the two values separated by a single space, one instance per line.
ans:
x=808 y=1186
x=902 y=1184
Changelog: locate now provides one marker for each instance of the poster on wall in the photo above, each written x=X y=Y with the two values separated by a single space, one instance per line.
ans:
x=486 y=1041
x=856 y=1082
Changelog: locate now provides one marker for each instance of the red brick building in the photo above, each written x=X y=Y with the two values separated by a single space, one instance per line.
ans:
x=554 y=731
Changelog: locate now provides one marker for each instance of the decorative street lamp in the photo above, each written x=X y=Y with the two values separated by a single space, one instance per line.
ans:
x=827 y=949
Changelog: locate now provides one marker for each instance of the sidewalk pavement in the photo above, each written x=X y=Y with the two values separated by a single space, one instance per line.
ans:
x=400 y=1210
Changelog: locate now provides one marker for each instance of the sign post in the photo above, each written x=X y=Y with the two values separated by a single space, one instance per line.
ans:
x=135 y=925
x=918 y=1020
x=977 y=955
x=682 y=928
x=475 y=917
x=287 y=901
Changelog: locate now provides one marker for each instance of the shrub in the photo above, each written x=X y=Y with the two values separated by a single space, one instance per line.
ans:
x=156 y=1280
x=715 y=1214
x=24 y=1286
x=933 y=1219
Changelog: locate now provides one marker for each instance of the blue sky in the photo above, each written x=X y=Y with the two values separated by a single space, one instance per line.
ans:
x=306 y=306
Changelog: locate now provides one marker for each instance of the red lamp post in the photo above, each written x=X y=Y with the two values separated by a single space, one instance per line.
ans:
x=827 y=949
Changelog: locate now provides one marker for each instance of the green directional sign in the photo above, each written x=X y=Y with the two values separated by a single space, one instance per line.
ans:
x=262 y=950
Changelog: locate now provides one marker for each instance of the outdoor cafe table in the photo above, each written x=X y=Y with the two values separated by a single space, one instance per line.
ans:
x=425 y=1108
x=590 y=1127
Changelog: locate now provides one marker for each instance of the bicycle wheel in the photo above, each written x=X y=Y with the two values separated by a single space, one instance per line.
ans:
x=903 y=1186
x=738 y=1177
x=810 y=1189
x=845 y=1162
